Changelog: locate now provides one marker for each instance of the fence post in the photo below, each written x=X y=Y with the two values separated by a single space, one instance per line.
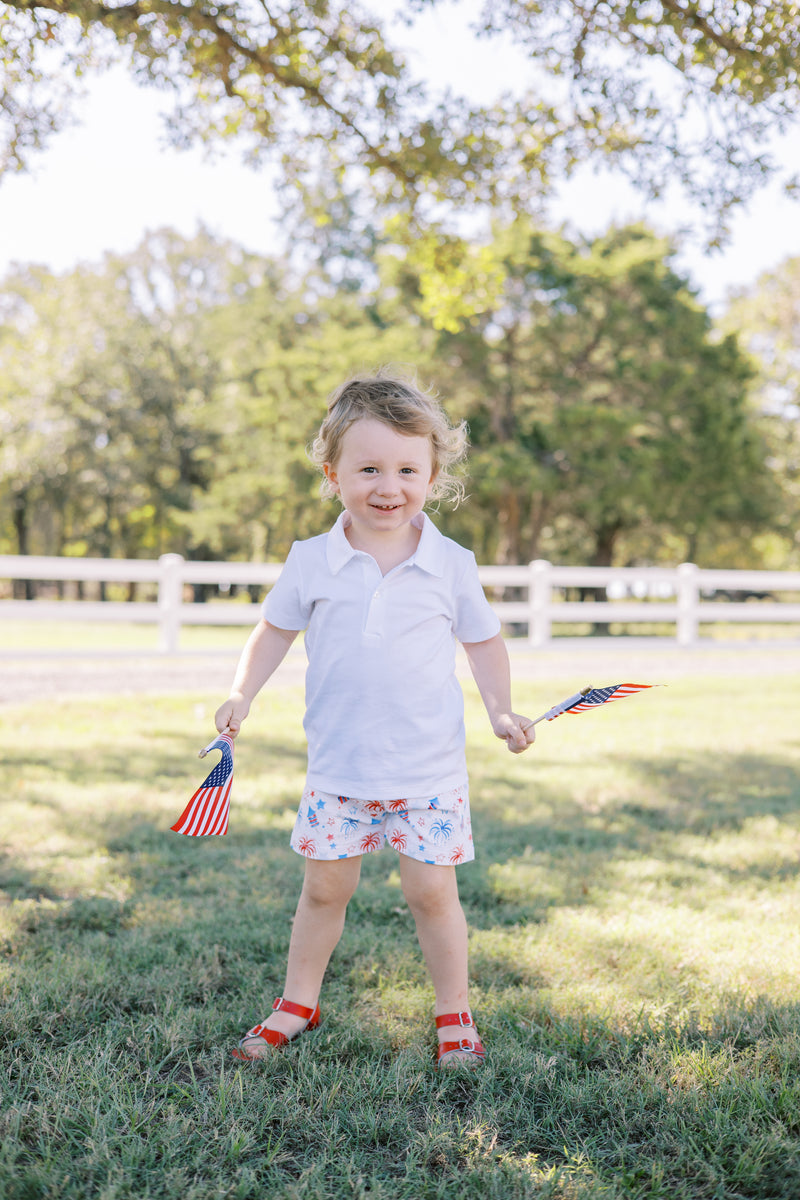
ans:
x=170 y=599
x=687 y=624
x=539 y=597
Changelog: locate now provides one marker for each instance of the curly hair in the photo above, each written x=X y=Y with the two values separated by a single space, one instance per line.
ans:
x=399 y=402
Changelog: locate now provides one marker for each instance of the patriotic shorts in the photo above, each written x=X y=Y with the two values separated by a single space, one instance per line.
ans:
x=431 y=829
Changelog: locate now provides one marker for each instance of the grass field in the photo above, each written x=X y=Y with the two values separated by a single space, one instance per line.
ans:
x=119 y=636
x=635 y=951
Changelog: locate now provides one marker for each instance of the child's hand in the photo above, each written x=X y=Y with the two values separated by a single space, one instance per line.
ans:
x=517 y=732
x=229 y=716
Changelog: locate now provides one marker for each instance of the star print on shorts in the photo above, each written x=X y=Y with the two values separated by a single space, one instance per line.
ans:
x=431 y=829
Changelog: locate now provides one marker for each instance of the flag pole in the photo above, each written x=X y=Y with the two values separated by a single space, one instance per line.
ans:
x=207 y=749
x=591 y=697
x=562 y=707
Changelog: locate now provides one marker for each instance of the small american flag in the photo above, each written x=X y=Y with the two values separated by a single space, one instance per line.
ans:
x=206 y=814
x=591 y=697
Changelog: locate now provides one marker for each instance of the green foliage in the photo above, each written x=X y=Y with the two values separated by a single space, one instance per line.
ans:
x=671 y=91
x=281 y=353
x=110 y=385
x=667 y=92
x=164 y=400
x=603 y=411
x=767 y=318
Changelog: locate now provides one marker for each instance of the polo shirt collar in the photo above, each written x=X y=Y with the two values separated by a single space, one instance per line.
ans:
x=429 y=554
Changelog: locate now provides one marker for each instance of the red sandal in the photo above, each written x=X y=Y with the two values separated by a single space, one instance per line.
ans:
x=471 y=1046
x=273 y=1036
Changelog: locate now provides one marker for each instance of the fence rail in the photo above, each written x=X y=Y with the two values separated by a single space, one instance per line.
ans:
x=680 y=596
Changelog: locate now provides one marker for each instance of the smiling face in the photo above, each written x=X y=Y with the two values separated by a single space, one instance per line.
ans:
x=382 y=478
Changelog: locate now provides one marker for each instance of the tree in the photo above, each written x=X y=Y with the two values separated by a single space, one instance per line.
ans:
x=682 y=90
x=38 y=421
x=163 y=400
x=107 y=382
x=766 y=318
x=604 y=413
x=281 y=351
x=668 y=90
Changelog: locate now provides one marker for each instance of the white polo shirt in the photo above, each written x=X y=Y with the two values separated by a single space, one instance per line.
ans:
x=384 y=710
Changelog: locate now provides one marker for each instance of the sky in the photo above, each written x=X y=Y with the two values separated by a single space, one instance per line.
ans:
x=103 y=183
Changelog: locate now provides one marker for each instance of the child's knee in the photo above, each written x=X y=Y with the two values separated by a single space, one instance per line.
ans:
x=430 y=893
x=331 y=884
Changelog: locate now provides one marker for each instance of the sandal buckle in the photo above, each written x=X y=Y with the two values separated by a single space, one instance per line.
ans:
x=464 y=1018
x=466 y=1044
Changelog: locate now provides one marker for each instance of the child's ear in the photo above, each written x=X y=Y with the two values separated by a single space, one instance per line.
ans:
x=331 y=476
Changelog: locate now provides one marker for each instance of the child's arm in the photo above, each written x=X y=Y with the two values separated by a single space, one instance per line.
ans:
x=264 y=651
x=491 y=671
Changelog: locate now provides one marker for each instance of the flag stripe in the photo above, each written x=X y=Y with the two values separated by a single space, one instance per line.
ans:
x=595 y=697
x=206 y=802
x=220 y=824
x=206 y=814
x=212 y=812
x=195 y=820
x=204 y=798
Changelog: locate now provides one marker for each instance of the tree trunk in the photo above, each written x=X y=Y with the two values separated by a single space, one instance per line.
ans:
x=602 y=557
x=23 y=588
x=509 y=520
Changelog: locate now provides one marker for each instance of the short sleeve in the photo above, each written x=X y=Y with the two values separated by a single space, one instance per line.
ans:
x=475 y=619
x=285 y=604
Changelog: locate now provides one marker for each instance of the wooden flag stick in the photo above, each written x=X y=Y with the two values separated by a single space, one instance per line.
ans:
x=602 y=696
x=562 y=707
x=206 y=749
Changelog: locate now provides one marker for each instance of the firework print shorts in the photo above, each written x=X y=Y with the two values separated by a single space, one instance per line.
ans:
x=431 y=829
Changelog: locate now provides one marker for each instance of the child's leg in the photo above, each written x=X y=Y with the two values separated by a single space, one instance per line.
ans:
x=432 y=895
x=318 y=924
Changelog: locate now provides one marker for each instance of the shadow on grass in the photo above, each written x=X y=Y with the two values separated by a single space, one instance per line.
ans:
x=560 y=858
x=19 y=883
x=569 y=850
x=146 y=761
x=133 y=1005
x=238 y=893
x=567 y=1107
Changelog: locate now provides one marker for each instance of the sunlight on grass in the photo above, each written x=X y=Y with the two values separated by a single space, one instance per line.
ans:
x=115 y=636
x=634 y=946
x=77 y=636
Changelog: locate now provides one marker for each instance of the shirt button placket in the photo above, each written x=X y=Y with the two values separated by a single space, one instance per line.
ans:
x=375 y=618
x=374 y=623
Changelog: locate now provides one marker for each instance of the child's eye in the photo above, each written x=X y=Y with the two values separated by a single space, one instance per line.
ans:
x=408 y=471
x=369 y=470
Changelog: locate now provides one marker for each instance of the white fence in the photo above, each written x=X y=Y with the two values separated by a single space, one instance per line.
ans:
x=675 y=595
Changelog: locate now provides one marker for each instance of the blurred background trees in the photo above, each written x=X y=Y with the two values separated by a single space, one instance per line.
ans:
x=668 y=92
x=162 y=400
x=767 y=321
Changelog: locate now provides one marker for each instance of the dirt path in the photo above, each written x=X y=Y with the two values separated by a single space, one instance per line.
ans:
x=582 y=660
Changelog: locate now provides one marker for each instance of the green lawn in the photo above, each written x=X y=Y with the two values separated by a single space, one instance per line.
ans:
x=635 y=950
x=115 y=636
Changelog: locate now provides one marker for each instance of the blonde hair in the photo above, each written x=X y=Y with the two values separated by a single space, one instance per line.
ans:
x=401 y=404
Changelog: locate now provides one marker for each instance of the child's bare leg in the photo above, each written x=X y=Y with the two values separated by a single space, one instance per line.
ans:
x=318 y=924
x=432 y=895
